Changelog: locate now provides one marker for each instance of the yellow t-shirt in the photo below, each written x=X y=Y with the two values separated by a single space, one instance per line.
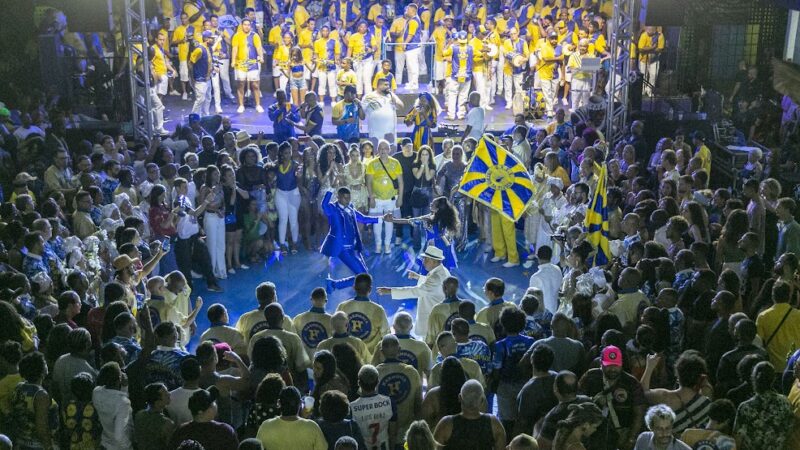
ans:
x=239 y=42
x=376 y=42
x=159 y=61
x=440 y=39
x=374 y=11
x=274 y=36
x=357 y=46
x=705 y=156
x=794 y=401
x=490 y=315
x=190 y=8
x=518 y=47
x=7 y=385
x=574 y=64
x=440 y=318
x=547 y=70
x=478 y=62
x=382 y=186
x=301 y=16
x=483 y=333
x=177 y=39
x=253 y=321
x=277 y=433
x=168 y=9
x=786 y=339
x=281 y=55
x=306 y=38
x=345 y=78
x=321 y=50
x=645 y=40
x=367 y=321
x=398 y=25
x=415 y=353
x=219 y=7
x=380 y=74
x=358 y=345
x=296 y=356
x=312 y=327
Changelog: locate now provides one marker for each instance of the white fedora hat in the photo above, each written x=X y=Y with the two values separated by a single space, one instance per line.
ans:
x=433 y=252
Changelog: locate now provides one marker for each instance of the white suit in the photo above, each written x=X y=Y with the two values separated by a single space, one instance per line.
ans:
x=428 y=293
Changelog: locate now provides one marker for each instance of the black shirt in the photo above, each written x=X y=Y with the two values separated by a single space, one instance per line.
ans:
x=536 y=398
x=407 y=163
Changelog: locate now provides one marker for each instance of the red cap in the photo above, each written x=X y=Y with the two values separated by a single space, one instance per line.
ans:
x=611 y=356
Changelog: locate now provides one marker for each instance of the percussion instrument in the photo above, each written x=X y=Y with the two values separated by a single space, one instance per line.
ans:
x=518 y=60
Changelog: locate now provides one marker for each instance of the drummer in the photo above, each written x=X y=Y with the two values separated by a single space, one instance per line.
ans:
x=483 y=52
x=515 y=58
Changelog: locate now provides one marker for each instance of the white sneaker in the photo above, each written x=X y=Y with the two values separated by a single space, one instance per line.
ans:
x=240 y=109
x=528 y=264
x=196 y=275
x=451 y=118
x=184 y=96
x=259 y=109
x=244 y=267
x=219 y=110
x=509 y=264
x=174 y=92
x=496 y=259
x=161 y=131
x=378 y=250
x=488 y=108
x=387 y=250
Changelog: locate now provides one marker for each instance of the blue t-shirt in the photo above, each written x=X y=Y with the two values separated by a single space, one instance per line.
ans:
x=507 y=354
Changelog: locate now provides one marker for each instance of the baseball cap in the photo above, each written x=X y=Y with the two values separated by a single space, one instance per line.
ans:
x=207 y=34
x=611 y=356
x=552 y=34
x=194 y=117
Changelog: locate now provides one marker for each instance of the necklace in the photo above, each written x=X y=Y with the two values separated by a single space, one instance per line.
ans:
x=286 y=170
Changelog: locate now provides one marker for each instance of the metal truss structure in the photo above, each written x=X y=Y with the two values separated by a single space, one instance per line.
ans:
x=620 y=73
x=135 y=36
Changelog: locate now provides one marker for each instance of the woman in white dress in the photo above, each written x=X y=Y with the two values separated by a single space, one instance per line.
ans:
x=552 y=202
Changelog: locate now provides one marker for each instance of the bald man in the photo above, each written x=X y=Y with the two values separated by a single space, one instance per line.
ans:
x=413 y=352
x=401 y=382
x=340 y=335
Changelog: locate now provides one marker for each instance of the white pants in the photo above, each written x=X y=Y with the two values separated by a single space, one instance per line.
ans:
x=287 y=203
x=457 y=95
x=363 y=71
x=412 y=59
x=482 y=87
x=650 y=73
x=497 y=84
x=381 y=208
x=549 y=92
x=225 y=76
x=216 y=94
x=158 y=109
x=214 y=227
x=579 y=92
x=423 y=65
x=202 y=98
x=399 y=65
x=326 y=83
x=511 y=85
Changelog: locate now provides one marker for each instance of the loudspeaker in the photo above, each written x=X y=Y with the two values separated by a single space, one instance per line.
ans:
x=664 y=13
x=82 y=15
x=408 y=103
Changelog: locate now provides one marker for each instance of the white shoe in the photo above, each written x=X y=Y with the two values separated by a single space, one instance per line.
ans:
x=174 y=92
x=196 y=275
x=387 y=250
x=378 y=250
x=161 y=132
x=184 y=96
x=488 y=108
x=231 y=271
x=259 y=109
x=508 y=265
x=219 y=110
x=528 y=264
x=496 y=259
x=451 y=118
x=244 y=267
x=240 y=109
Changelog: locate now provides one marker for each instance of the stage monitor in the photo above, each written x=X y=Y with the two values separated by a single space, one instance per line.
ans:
x=664 y=13
x=89 y=16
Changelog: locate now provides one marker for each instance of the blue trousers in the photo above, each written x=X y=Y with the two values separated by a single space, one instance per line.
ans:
x=353 y=260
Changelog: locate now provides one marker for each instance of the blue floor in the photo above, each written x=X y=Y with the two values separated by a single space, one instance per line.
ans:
x=296 y=275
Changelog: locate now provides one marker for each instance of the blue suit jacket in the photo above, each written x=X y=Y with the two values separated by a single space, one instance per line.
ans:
x=333 y=243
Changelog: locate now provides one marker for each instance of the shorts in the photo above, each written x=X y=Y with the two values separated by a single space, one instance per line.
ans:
x=183 y=71
x=250 y=75
x=161 y=85
x=276 y=70
x=297 y=83
x=438 y=70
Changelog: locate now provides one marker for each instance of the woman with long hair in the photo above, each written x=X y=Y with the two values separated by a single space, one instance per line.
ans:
x=441 y=227
x=295 y=72
x=163 y=225
x=349 y=364
x=234 y=197
x=424 y=171
x=327 y=377
x=265 y=404
x=423 y=117
x=329 y=165
x=214 y=220
x=16 y=328
x=269 y=356
x=419 y=437
x=309 y=213
x=728 y=255
x=447 y=181
x=698 y=222
x=355 y=180
x=442 y=400
x=583 y=420
x=287 y=198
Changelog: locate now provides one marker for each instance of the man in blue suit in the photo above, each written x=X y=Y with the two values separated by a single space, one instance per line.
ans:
x=343 y=240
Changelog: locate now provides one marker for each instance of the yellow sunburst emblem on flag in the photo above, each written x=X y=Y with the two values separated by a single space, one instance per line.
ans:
x=496 y=178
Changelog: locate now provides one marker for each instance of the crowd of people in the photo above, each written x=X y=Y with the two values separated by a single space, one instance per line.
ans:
x=687 y=337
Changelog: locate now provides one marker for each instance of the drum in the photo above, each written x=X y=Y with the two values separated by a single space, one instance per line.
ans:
x=493 y=51
x=518 y=61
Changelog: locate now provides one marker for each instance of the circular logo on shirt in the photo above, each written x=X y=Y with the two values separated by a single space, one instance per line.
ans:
x=499 y=178
x=395 y=385
x=448 y=324
x=408 y=358
x=312 y=334
x=258 y=327
x=360 y=325
x=620 y=395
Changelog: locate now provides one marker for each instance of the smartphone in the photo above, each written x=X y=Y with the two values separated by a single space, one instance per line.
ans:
x=165 y=245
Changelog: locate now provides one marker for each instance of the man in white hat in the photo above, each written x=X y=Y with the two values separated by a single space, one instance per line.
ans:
x=428 y=290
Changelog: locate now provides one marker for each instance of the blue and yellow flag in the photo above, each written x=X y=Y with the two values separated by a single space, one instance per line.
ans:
x=496 y=178
x=596 y=223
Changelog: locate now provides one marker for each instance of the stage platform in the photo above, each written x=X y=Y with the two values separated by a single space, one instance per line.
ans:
x=498 y=120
